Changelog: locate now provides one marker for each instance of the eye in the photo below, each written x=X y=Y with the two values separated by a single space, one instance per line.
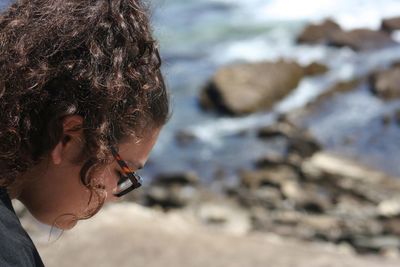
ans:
x=118 y=174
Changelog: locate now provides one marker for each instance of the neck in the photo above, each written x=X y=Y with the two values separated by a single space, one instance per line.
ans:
x=14 y=190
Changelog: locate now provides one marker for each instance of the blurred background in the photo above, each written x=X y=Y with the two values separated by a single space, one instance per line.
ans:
x=282 y=150
x=199 y=37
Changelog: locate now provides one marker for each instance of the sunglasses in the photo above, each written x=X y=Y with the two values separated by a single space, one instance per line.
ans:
x=129 y=180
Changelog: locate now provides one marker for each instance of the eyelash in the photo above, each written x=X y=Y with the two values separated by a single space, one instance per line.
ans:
x=118 y=173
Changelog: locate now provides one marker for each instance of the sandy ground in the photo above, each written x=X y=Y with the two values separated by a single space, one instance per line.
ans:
x=126 y=234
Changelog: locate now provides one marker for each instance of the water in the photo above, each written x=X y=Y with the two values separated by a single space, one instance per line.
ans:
x=199 y=36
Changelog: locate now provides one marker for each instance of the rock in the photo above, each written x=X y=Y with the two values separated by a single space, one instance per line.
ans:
x=184 y=137
x=365 y=191
x=331 y=199
x=281 y=129
x=361 y=39
x=245 y=88
x=392 y=226
x=300 y=141
x=375 y=244
x=390 y=252
x=304 y=145
x=173 y=190
x=395 y=64
x=268 y=197
x=391 y=24
x=260 y=218
x=170 y=197
x=321 y=222
x=340 y=87
x=361 y=226
x=397 y=116
x=318 y=33
x=302 y=113
x=182 y=178
x=268 y=161
x=271 y=177
x=291 y=190
x=348 y=205
x=389 y=208
x=386 y=84
x=325 y=227
x=386 y=119
x=306 y=197
x=226 y=217
x=314 y=205
x=315 y=68
x=348 y=177
x=290 y=218
x=340 y=168
x=311 y=172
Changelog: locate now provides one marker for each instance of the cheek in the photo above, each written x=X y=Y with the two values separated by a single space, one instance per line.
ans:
x=109 y=179
x=57 y=194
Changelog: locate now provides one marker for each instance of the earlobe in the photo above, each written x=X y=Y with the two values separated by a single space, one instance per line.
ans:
x=56 y=154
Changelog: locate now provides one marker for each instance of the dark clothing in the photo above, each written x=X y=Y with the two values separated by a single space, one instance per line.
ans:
x=16 y=247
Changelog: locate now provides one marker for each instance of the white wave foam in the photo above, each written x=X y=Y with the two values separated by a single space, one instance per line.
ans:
x=211 y=132
x=349 y=13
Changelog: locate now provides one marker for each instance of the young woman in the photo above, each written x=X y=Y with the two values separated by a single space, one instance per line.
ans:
x=82 y=101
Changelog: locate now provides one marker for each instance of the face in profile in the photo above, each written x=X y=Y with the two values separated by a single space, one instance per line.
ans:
x=54 y=193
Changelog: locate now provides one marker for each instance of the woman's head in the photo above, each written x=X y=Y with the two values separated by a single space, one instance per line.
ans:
x=76 y=77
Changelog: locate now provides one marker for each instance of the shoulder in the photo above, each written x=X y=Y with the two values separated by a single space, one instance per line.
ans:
x=16 y=248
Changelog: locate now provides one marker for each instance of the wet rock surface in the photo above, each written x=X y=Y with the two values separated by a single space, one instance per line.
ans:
x=330 y=33
x=315 y=68
x=318 y=33
x=244 y=88
x=386 y=84
x=299 y=141
x=362 y=39
x=391 y=24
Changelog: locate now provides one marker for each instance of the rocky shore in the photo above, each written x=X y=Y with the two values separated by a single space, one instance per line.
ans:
x=303 y=192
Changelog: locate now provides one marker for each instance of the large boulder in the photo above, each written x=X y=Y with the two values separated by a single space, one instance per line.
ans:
x=244 y=88
x=318 y=33
x=315 y=68
x=391 y=24
x=386 y=84
x=361 y=39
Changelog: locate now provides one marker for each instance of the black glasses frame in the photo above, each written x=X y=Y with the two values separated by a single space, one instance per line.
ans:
x=126 y=174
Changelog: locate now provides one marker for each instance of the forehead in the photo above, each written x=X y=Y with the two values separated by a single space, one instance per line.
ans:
x=137 y=150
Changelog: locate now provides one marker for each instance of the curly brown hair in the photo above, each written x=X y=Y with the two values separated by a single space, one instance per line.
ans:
x=93 y=58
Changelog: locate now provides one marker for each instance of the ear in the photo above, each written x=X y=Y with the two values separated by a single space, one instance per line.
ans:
x=72 y=131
